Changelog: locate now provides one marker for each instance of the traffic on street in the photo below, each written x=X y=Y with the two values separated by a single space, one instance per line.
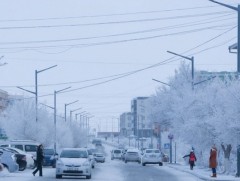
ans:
x=111 y=169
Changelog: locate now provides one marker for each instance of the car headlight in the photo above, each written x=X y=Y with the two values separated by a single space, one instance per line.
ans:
x=86 y=163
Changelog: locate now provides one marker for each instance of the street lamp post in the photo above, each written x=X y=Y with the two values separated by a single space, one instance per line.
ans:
x=88 y=128
x=188 y=58
x=238 y=36
x=65 y=109
x=72 y=112
x=36 y=88
x=81 y=113
x=55 y=118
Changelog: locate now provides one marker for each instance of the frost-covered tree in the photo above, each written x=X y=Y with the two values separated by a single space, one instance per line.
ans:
x=207 y=115
x=19 y=123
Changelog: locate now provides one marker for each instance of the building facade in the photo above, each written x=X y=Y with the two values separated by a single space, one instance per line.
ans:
x=126 y=124
x=142 y=126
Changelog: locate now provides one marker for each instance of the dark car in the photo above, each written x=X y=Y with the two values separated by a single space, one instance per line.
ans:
x=49 y=157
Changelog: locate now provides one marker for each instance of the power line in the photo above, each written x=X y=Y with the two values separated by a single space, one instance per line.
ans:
x=140 y=70
x=193 y=23
x=112 y=22
x=83 y=45
x=106 y=15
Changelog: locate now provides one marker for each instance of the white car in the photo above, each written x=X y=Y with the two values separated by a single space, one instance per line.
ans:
x=116 y=154
x=91 y=157
x=29 y=157
x=151 y=156
x=73 y=162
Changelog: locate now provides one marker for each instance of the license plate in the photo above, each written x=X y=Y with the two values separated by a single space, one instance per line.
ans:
x=72 y=169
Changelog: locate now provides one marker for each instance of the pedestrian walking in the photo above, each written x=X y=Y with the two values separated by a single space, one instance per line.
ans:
x=213 y=160
x=192 y=159
x=39 y=160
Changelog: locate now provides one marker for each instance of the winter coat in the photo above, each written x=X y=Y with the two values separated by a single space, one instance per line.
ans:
x=40 y=154
x=192 y=157
x=213 y=158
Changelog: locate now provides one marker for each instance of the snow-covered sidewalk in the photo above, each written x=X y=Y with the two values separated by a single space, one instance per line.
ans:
x=204 y=174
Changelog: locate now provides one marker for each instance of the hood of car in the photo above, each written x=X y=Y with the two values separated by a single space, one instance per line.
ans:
x=73 y=161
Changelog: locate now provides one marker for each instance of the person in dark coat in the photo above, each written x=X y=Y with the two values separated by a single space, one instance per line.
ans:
x=192 y=159
x=40 y=156
x=213 y=160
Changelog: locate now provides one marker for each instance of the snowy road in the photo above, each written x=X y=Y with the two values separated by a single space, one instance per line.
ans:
x=111 y=170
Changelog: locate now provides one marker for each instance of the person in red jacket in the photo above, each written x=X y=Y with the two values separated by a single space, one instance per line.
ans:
x=213 y=160
x=192 y=159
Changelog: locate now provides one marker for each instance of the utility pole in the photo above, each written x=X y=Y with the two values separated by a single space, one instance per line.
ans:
x=238 y=55
x=36 y=88
x=72 y=112
x=65 y=109
x=55 y=116
x=238 y=39
x=188 y=58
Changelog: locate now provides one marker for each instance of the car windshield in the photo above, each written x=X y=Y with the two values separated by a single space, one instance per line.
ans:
x=48 y=151
x=74 y=154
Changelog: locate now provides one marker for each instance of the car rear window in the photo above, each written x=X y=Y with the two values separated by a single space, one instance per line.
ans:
x=73 y=154
x=48 y=151
x=30 y=148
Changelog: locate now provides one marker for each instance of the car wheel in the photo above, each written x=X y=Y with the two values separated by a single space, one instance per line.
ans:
x=58 y=176
x=160 y=164
x=93 y=166
x=143 y=164
x=21 y=168
x=88 y=176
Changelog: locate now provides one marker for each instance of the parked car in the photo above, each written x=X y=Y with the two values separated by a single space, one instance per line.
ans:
x=50 y=157
x=8 y=160
x=28 y=146
x=116 y=154
x=91 y=157
x=165 y=157
x=132 y=155
x=151 y=156
x=73 y=162
x=20 y=159
x=29 y=157
x=99 y=157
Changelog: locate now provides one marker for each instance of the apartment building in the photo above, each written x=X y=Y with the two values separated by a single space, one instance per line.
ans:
x=126 y=124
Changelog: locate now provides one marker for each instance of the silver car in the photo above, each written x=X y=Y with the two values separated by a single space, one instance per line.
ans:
x=99 y=157
x=8 y=160
x=132 y=155
x=151 y=156
x=73 y=162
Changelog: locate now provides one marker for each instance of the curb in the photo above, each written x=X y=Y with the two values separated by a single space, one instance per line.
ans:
x=197 y=175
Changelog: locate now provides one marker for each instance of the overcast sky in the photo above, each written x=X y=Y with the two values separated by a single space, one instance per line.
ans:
x=96 y=39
